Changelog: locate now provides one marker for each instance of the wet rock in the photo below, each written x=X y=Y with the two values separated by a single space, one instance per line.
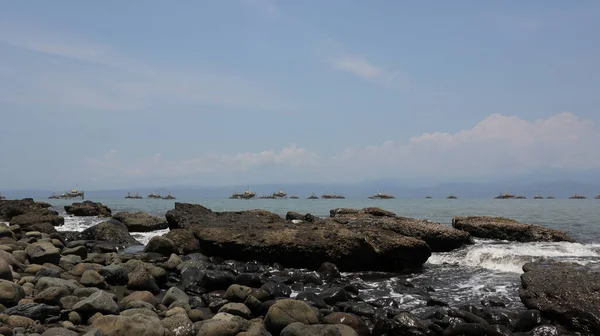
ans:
x=213 y=280
x=28 y=221
x=5 y=270
x=329 y=271
x=312 y=298
x=161 y=245
x=34 y=311
x=46 y=282
x=57 y=331
x=141 y=279
x=351 y=320
x=114 y=275
x=99 y=302
x=10 y=293
x=91 y=278
x=184 y=240
x=140 y=221
x=87 y=209
x=174 y=294
x=179 y=325
x=248 y=279
x=110 y=231
x=43 y=252
x=80 y=251
x=292 y=215
x=285 y=312
x=277 y=289
x=563 y=292
x=218 y=328
x=237 y=309
x=120 y=325
x=51 y=295
x=507 y=229
x=334 y=295
x=299 y=329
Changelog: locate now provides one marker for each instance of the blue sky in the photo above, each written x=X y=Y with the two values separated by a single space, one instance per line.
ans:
x=139 y=93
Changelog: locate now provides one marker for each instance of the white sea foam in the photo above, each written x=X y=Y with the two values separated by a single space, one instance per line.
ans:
x=79 y=224
x=510 y=257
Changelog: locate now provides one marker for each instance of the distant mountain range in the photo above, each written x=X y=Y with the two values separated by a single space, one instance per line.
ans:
x=360 y=190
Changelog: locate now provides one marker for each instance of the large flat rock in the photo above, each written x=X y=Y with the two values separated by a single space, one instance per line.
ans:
x=13 y=208
x=439 y=237
x=508 y=229
x=565 y=293
x=263 y=236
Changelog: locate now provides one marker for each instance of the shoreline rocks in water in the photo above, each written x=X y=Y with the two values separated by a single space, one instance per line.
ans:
x=88 y=209
x=51 y=284
x=140 y=221
x=508 y=229
x=564 y=292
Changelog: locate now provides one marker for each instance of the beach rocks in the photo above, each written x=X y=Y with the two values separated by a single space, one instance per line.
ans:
x=10 y=293
x=565 y=293
x=285 y=312
x=88 y=208
x=507 y=229
x=122 y=325
x=43 y=252
x=140 y=221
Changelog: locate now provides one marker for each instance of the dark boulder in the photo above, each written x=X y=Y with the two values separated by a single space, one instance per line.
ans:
x=566 y=293
x=13 y=208
x=184 y=240
x=140 y=221
x=110 y=231
x=194 y=215
x=87 y=209
x=37 y=217
x=507 y=229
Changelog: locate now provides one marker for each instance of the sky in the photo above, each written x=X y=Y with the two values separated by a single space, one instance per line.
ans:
x=147 y=93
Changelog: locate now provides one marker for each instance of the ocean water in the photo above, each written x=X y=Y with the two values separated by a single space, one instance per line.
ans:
x=486 y=269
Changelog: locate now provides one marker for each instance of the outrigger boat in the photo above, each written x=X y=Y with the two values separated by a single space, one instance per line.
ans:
x=136 y=196
x=575 y=196
x=74 y=193
x=245 y=195
x=382 y=196
x=313 y=196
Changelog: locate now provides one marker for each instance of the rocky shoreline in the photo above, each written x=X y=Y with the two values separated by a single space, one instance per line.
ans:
x=256 y=273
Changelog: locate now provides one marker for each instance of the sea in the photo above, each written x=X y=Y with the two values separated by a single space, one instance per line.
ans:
x=488 y=269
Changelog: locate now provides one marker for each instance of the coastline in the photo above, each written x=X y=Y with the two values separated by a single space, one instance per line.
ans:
x=365 y=294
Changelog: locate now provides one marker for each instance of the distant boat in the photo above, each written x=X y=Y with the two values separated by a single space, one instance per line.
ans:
x=381 y=196
x=313 y=196
x=505 y=196
x=245 y=195
x=294 y=197
x=428 y=197
x=538 y=196
x=266 y=197
x=136 y=196
x=520 y=197
x=154 y=196
x=575 y=196
x=169 y=197
x=550 y=197
x=332 y=196
x=280 y=194
x=452 y=197
x=74 y=193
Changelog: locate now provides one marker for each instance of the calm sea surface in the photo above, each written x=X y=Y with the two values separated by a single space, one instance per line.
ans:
x=486 y=269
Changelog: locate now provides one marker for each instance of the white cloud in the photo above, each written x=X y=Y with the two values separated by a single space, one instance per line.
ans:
x=497 y=146
x=361 y=67
x=70 y=72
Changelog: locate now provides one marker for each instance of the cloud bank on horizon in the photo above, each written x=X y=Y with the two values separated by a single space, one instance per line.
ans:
x=498 y=146
x=259 y=91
